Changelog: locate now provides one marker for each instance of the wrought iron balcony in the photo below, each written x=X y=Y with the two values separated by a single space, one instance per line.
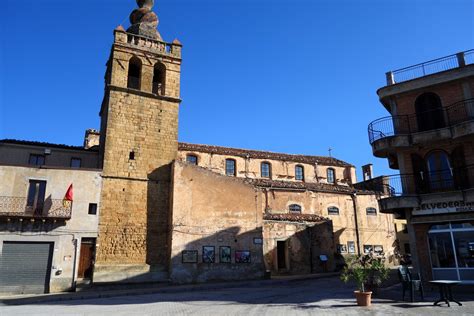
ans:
x=454 y=114
x=429 y=182
x=18 y=207
x=430 y=67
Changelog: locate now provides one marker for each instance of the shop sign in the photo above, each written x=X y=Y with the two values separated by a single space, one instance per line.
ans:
x=443 y=207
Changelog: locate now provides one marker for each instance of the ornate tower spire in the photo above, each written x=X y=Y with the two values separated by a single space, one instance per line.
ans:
x=144 y=21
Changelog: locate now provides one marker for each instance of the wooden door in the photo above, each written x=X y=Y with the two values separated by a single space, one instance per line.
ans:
x=281 y=255
x=86 y=260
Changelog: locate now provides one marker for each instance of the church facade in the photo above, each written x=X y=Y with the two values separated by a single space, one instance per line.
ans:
x=169 y=211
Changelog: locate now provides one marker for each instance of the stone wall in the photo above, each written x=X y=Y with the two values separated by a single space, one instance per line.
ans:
x=214 y=211
x=375 y=229
x=281 y=170
x=304 y=242
x=139 y=142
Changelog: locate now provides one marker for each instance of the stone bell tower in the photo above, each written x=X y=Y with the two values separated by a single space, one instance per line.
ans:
x=139 y=131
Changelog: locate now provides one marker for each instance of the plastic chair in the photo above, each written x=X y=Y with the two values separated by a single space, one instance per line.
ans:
x=410 y=283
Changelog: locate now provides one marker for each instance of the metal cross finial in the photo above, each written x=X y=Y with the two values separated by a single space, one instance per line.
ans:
x=330 y=150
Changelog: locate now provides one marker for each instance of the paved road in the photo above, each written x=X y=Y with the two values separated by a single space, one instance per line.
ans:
x=327 y=296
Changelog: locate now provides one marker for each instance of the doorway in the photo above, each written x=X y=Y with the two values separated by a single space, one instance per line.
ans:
x=281 y=255
x=86 y=259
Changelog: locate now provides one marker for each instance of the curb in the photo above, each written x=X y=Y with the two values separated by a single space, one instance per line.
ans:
x=96 y=294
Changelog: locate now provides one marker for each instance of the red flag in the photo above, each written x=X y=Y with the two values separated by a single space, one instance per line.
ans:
x=69 y=194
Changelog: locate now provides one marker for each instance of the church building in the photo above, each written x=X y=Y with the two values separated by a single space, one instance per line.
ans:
x=148 y=208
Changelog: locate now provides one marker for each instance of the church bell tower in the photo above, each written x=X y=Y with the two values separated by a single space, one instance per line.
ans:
x=139 y=141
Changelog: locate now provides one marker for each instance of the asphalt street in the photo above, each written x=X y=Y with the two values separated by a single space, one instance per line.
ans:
x=328 y=296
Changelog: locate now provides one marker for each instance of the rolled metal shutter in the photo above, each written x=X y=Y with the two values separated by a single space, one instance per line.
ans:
x=25 y=267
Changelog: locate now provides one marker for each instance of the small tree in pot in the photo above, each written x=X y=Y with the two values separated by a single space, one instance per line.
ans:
x=368 y=271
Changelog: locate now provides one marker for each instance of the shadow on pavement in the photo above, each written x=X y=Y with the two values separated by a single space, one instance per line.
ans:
x=322 y=293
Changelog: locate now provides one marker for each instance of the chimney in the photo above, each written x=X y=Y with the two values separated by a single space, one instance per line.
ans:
x=91 y=138
x=367 y=172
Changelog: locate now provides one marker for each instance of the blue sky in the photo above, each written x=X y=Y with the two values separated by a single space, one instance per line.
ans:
x=290 y=76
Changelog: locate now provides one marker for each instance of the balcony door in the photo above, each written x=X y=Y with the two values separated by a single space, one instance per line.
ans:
x=460 y=172
x=429 y=112
x=440 y=174
x=36 y=194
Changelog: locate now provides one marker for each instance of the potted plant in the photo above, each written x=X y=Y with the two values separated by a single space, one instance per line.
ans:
x=368 y=271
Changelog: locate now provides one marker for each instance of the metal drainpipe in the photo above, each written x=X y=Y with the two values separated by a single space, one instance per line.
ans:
x=354 y=203
x=316 y=172
x=311 y=268
x=247 y=159
x=73 y=285
x=266 y=200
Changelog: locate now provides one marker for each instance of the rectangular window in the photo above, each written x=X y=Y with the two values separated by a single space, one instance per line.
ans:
x=36 y=194
x=92 y=209
x=371 y=211
x=230 y=167
x=464 y=244
x=341 y=248
x=351 y=247
x=378 y=249
x=331 y=176
x=192 y=160
x=299 y=173
x=441 y=250
x=332 y=210
x=265 y=170
x=76 y=162
x=368 y=248
x=36 y=160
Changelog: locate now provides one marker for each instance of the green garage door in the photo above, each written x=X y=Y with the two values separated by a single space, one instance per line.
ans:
x=25 y=267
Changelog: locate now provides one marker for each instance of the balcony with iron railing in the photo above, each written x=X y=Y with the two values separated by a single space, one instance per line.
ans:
x=430 y=67
x=17 y=207
x=452 y=118
x=408 y=190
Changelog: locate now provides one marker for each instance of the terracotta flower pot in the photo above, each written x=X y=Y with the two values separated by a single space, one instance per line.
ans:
x=363 y=298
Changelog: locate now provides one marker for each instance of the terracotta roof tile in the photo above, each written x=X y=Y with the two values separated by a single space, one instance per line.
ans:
x=44 y=144
x=295 y=217
x=266 y=183
x=330 y=161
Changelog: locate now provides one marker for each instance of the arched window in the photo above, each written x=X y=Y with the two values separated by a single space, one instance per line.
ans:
x=230 y=167
x=331 y=175
x=192 y=159
x=440 y=175
x=295 y=208
x=332 y=210
x=134 y=73
x=266 y=170
x=371 y=211
x=159 y=79
x=299 y=173
x=429 y=112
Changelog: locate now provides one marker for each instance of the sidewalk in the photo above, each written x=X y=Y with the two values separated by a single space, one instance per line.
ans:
x=103 y=291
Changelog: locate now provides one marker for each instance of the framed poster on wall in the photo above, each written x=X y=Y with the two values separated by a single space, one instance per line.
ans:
x=224 y=254
x=208 y=254
x=189 y=256
x=242 y=256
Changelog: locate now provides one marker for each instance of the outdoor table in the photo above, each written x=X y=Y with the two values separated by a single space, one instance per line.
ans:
x=445 y=294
